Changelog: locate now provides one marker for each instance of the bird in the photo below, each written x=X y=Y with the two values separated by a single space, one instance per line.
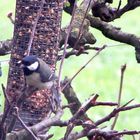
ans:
x=39 y=75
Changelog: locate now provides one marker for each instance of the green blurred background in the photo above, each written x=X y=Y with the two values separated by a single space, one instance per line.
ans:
x=101 y=76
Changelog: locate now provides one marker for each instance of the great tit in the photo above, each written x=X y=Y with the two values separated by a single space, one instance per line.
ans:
x=39 y=75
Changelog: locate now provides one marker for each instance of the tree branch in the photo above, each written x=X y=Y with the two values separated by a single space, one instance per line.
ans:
x=119 y=94
x=114 y=112
x=116 y=34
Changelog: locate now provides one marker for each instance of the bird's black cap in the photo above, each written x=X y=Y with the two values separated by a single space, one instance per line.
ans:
x=28 y=60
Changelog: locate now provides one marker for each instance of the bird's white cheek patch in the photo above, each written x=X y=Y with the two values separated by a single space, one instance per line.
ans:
x=33 y=66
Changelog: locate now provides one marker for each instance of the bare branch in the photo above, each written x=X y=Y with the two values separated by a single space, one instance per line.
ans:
x=107 y=13
x=123 y=67
x=97 y=53
x=85 y=106
x=65 y=47
x=129 y=6
x=105 y=104
x=48 y=122
x=10 y=17
x=79 y=113
x=106 y=134
x=125 y=133
x=82 y=50
x=114 y=33
x=71 y=97
x=120 y=2
x=5 y=94
x=127 y=103
x=114 y=112
x=74 y=52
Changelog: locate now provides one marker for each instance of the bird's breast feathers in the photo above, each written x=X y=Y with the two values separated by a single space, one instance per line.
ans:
x=35 y=81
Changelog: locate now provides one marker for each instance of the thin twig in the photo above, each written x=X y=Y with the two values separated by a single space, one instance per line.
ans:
x=96 y=54
x=123 y=67
x=105 y=104
x=5 y=94
x=85 y=106
x=34 y=27
x=114 y=112
x=82 y=110
x=125 y=133
x=65 y=46
x=86 y=47
x=6 y=112
x=107 y=135
x=68 y=131
x=127 y=103
x=23 y=124
x=120 y=2
x=10 y=17
x=70 y=53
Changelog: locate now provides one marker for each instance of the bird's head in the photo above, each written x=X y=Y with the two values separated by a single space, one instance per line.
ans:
x=30 y=62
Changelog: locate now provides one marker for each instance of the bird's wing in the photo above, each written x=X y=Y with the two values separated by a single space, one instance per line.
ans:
x=45 y=72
